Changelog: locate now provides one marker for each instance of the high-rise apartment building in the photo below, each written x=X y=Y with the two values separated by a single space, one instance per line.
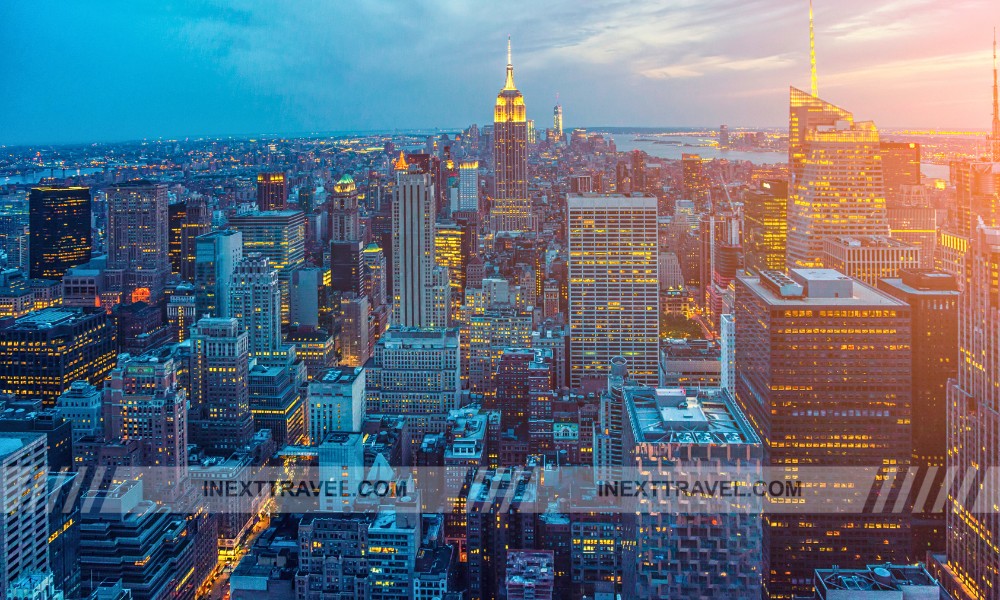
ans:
x=220 y=418
x=272 y=191
x=613 y=288
x=835 y=185
x=823 y=374
x=59 y=230
x=138 y=239
x=511 y=208
x=44 y=352
x=421 y=294
x=216 y=255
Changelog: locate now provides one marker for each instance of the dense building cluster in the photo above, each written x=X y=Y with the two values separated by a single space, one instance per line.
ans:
x=485 y=338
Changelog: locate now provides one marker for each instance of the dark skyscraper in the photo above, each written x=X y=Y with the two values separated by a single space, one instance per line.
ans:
x=59 y=226
x=511 y=209
x=272 y=192
x=900 y=167
x=933 y=298
x=823 y=375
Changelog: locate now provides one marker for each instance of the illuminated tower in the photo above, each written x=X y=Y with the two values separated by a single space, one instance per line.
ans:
x=613 y=289
x=996 y=104
x=973 y=529
x=272 y=193
x=138 y=238
x=835 y=185
x=511 y=206
x=421 y=294
x=343 y=207
x=59 y=230
x=557 y=119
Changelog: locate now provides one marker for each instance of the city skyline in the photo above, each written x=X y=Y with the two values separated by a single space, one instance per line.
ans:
x=296 y=71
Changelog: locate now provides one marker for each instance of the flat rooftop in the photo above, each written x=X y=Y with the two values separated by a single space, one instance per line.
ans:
x=674 y=415
x=345 y=375
x=857 y=294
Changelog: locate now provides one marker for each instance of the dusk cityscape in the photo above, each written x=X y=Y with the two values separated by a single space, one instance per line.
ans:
x=458 y=301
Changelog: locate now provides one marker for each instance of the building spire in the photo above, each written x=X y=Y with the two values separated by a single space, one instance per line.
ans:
x=509 y=85
x=812 y=53
x=996 y=107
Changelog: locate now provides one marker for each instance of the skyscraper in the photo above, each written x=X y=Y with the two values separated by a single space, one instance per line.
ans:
x=823 y=374
x=59 y=230
x=23 y=524
x=220 y=419
x=280 y=236
x=557 y=120
x=343 y=207
x=511 y=210
x=933 y=298
x=667 y=431
x=973 y=565
x=695 y=181
x=188 y=220
x=138 y=239
x=44 y=352
x=272 y=192
x=835 y=184
x=900 y=168
x=144 y=402
x=216 y=255
x=613 y=288
x=414 y=372
x=421 y=294
x=468 y=185
x=765 y=226
x=255 y=301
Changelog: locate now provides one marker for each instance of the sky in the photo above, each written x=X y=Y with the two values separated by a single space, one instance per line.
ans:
x=87 y=71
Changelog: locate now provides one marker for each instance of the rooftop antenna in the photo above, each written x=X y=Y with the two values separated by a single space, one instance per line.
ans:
x=812 y=53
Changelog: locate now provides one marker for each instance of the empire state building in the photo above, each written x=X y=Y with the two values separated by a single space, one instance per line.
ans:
x=511 y=209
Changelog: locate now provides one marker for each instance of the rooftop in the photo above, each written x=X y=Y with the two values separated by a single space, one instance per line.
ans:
x=673 y=415
x=346 y=375
x=815 y=287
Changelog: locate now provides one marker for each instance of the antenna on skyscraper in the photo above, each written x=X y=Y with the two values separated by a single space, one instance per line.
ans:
x=812 y=53
x=509 y=62
x=996 y=108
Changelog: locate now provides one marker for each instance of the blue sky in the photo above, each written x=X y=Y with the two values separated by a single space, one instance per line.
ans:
x=96 y=71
